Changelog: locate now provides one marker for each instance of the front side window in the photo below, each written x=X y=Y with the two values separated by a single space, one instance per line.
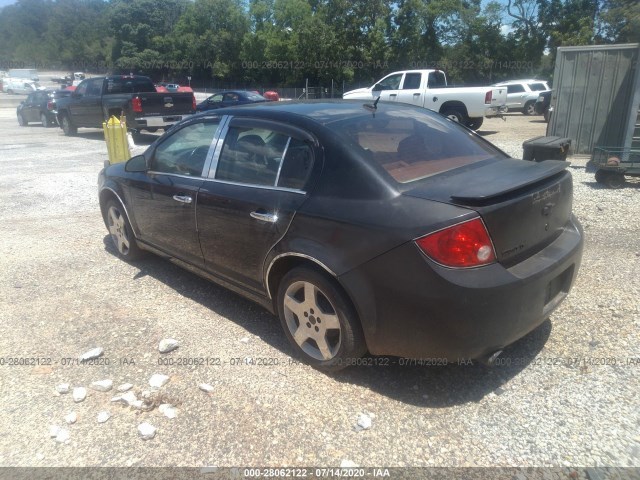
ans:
x=392 y=82
x=263 y=157
x=94 y=88
x=185 y=152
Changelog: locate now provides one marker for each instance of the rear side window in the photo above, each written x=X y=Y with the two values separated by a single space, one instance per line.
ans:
x=436 y=80
x=412 y=81
x=263 y=157
x=515 y=88
x=410 y=145
x=129 y=85
x=537 y=87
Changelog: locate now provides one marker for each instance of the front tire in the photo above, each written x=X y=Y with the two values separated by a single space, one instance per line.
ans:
x=610 y=179
x=529 y=108
x=68 y=127
x=21 y=121
x=120 y=232
x=319 y=320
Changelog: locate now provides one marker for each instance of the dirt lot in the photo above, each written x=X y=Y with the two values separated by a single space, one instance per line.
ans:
x=564 y=396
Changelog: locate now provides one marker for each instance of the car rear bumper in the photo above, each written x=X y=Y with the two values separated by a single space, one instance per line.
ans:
x=495 y=111
x=411 y=307
x=157 y=121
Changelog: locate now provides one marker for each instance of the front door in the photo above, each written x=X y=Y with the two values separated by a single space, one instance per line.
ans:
x=165 y=198
x=257 y=183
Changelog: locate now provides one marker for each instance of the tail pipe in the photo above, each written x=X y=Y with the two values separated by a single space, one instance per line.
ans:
x=490 y=360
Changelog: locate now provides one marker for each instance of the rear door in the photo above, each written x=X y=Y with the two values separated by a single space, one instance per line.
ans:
x=165 y=198
x=257 y=182
x=516 y=95
x=411 y=91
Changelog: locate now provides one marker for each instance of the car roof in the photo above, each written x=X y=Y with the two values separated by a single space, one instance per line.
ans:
x=526 y=80
x=319 y=111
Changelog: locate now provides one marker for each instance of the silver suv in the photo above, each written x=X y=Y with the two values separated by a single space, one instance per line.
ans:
x=522 y=94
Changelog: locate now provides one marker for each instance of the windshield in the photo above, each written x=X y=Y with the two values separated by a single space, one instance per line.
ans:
x=410 y=145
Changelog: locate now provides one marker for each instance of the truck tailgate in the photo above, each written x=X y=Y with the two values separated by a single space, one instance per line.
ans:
x=163 y=104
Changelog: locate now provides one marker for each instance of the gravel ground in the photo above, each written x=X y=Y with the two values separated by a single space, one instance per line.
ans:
x=556 y=401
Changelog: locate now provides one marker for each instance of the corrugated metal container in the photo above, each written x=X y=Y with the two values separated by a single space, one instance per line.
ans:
x=596 y=96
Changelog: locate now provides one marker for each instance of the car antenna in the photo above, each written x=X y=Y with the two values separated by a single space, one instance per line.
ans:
x=372 y=106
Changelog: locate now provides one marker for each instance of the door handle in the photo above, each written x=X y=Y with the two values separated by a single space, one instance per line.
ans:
x=417 y=94
x=183 y=199
x=265 y=217
x=393 y=94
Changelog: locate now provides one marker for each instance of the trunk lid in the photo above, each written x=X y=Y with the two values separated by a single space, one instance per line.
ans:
x=525 y=205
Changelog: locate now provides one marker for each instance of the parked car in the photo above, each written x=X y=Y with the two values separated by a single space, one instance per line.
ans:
x=523 y=94
x=543 y=105
x=229 y=98
x=94 y=100
x=389 y=229
x=40 y=107
x=428 y=89
x=19 y=86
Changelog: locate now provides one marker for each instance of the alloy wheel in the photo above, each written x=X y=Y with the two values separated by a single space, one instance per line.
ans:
x=312 y=320
x=118 y=230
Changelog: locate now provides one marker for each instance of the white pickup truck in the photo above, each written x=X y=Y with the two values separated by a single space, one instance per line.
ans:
x=428 y=89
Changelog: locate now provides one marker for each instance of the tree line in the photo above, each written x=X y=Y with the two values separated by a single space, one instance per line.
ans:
x=286 y=42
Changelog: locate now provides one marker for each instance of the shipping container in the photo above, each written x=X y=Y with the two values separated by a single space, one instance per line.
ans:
x=596 y=96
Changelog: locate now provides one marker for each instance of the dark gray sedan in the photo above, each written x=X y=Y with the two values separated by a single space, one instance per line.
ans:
x=382 y=228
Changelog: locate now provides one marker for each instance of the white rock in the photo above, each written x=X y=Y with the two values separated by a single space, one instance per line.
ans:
x=103 y=417
x=125 y=387
x=71 y=418
x=102 y=385
x=93 y=353
x=129 y=397
x=364 y=422
x=63 y=436
x=244 y=339
x=157 y=380
x=138 y=404
x=40 y=456
x=53 y=431
x=63 y=388
x=167 y=410
x=348 y=464
x=205 y=387
x=79 y=394
x=146 y=431
x=167 y=345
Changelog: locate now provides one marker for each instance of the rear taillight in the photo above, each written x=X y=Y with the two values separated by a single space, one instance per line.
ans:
x=51 y=105
x=136 y=103
x=463 y=245
x=487 y=97
x=193 y=102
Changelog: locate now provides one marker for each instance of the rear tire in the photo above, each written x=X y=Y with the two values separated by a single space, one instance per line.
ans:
x=120 y=232
x=529 y=108
x=67 y=126
x=319 y=320
x=475 y=123
x=45 y=121
x=455 y=115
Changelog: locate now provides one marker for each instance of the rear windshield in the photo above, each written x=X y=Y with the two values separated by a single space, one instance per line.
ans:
x=411 y=145
x=129 y=85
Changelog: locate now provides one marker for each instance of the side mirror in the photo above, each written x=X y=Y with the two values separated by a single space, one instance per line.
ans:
x=136 y=164
x=377 y=88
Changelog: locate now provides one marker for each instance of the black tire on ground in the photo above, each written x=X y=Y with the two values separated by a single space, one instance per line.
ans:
x=21 y=121
x=45 y=121
x=455 y=115
x=67 y=126
x=120 y=232
x=319 y=320
x=610 y=179
x=136 y=136
x=546 y=116
x=475 y=123
x=529 y=108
